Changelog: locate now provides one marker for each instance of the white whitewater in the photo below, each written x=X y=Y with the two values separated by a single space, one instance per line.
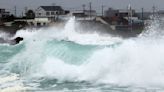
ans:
x=53 y=53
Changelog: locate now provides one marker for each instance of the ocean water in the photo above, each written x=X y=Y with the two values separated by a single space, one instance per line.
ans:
x=68 y=59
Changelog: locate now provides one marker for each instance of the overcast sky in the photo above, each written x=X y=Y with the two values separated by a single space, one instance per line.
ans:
x=77 y=4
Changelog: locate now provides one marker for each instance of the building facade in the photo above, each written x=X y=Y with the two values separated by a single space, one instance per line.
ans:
x=4 y=13
x=50 y=12
x=84 y=14
x=119 y=12
x=111 y=12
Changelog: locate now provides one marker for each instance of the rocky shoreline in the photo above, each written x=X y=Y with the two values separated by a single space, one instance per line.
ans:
x=83 y=25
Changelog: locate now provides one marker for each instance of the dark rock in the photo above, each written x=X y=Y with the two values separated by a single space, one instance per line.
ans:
x=18 y=39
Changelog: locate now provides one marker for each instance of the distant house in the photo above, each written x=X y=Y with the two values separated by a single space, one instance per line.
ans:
x=111 y=12
x=4 y=13
x=161 y=13
x=4 y=16
x=126 y=13
x=37 y=22
x=1 y=12
x=50 y=12
x=119 y=12
x=91 y=13
x=144 y=15
x=123 y=17
x=84 y=14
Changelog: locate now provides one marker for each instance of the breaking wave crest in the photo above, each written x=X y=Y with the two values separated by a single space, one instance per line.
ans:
x=68 y=55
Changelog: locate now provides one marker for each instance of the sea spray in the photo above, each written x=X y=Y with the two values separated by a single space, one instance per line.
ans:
x=66 y=59
x=129 y=64
x=134 y=62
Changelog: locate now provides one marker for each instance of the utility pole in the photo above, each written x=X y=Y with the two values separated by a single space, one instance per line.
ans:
x=15 y=11
x=130 y=15
x=83 y=8
x=25 y=10
x=22 y=13
x=102 y=10
x=54 y=18
x=142 y=14
x=90 y=9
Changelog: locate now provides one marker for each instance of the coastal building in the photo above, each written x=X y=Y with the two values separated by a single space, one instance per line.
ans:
x=146 y=15
x=37 y=22
x=111 y=12
x=40 y=22
x=1 y=12
x=143 y=15
x=84 y=14
x=44 y=16
x=91 y=13
x=161 y=13
x=123 y=19
x=4 y=13
x=50 y=12
x=119 y=12
x=119 y=16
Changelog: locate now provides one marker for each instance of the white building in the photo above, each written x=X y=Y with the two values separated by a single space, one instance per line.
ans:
x=51 y=12
x=35 y=22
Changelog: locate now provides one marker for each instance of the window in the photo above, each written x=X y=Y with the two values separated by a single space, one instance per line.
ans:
x=47 y=13
x=57 y=12
x=38 y=24
x=52 y=13
x=61 y=12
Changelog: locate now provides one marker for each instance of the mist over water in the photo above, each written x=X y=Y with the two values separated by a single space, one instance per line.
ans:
x=72 y=59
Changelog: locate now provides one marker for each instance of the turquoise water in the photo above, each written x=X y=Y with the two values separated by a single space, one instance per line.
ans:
x=67 y=60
